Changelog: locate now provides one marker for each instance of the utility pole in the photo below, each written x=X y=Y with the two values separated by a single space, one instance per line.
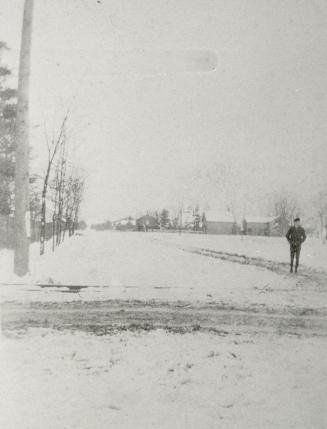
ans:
x=22 y=210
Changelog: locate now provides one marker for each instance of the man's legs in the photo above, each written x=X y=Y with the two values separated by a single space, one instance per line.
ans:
x=297 y=256
x=292 y=251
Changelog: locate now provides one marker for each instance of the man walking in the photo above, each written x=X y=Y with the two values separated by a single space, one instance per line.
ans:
x=295 y=236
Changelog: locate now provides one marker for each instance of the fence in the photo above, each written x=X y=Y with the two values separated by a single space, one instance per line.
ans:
x=7 y=231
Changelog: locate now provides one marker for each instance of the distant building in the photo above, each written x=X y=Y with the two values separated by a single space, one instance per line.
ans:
x=125 y=224
x=147 y=223
x=220 y=223
x=268 y=226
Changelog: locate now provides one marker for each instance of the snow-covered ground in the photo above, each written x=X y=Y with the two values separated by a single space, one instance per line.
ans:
x=313 y=254
x=58 y=380
x=143 y=266
x=71 y=379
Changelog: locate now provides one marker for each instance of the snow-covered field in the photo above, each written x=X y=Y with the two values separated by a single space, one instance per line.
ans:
x=138 y=379
x=143 y=266
x=313 y=254
x=58 y=380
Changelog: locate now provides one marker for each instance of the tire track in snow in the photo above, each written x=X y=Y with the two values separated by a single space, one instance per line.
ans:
x=105 y=317
x=305 y=274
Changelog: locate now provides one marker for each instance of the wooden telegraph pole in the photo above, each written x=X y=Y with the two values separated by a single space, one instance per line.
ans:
x=22 y=211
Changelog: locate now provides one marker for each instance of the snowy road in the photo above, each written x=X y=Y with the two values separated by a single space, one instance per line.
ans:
x=139 y=266
x=141 y=280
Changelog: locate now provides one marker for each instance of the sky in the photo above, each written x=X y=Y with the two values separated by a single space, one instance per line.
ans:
x=177 y=102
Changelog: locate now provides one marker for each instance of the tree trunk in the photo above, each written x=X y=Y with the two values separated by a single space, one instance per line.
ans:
x=43 y=220
x=322 y=225
x=53 y=230
x=22 y=239
x=66 y=227
x=7 y=241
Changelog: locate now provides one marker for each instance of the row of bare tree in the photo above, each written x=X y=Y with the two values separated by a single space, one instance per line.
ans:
x=313 y=211
x=62 y=186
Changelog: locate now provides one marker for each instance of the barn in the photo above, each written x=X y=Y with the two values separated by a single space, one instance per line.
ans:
x=220 y=223
x=268 y=226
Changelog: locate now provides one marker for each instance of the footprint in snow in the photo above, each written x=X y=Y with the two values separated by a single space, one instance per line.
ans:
x=113 y=407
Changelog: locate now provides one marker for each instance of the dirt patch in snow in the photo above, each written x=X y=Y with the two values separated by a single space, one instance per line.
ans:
x=104 y=317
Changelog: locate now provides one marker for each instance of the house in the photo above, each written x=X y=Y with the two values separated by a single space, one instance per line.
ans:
x=146 y=223
x=125 y=224
x=268 y=226
x=220 y=223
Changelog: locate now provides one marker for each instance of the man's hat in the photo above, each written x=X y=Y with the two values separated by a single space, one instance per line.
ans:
x=297 y=219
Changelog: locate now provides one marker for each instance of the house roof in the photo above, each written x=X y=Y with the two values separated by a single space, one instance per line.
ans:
x=124 y=221
x=260 y=219
x=127 y=221
x=216 y=216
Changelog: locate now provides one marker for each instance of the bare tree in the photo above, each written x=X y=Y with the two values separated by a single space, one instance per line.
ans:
x=73 y=195
x=54 y=214
x=68 y=197
x=286 y=206
x=53 y=149
x=320 y=207
x=35 y=204
x=60 y=191
x=78 y=189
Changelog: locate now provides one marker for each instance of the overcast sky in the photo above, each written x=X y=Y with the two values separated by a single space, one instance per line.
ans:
x=161 y=92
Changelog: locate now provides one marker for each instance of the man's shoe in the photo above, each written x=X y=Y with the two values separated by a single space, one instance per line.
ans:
x=296 y=269
x=291 y=269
